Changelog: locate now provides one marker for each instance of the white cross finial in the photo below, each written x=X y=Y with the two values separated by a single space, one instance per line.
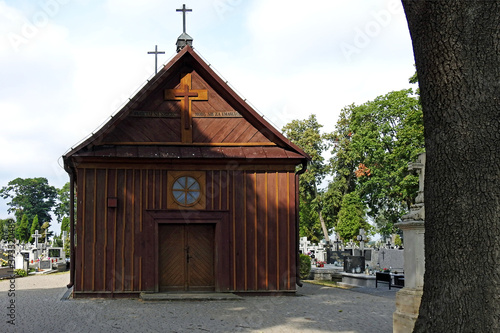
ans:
x=36 y=235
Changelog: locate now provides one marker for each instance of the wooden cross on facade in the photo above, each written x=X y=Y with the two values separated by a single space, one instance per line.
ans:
x=185 y=95
x=36 y=235
x=184 y=10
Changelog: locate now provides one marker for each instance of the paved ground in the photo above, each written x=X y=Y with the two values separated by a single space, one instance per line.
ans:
x=39 y=308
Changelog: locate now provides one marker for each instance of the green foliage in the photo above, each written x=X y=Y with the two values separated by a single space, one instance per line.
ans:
x=8 y=230
x=398 y=241
x=57 y=241
x=20 y=272
x=30 y=197
x=22 y=230
x=373 y=144
x=65 y=224
x=351 y=217
x=307 y=135
x=45 y=231
x=305 y=266
x=66 y=247
x=34 y=227
x=62 y=207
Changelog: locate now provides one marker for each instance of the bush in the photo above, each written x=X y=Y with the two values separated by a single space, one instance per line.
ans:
x=305 y=266
x=20 y=272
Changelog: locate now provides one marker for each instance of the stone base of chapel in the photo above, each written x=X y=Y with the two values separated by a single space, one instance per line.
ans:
x=407 y=307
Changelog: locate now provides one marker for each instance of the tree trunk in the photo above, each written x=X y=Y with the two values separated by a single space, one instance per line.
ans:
x=323 y=226
x=457 y=53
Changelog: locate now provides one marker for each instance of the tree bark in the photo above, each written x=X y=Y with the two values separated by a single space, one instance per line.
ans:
x=323 y=226
x=457 y=53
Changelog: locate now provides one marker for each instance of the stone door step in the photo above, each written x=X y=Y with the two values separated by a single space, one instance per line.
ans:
x=209 y=296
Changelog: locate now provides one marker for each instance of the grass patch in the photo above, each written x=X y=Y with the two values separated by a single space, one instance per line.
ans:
x=327 y=283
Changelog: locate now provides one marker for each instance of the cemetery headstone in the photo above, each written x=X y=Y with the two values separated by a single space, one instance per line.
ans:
x=45 y=264
x=354 y=264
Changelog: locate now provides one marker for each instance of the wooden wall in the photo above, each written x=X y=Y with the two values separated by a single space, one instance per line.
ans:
x=115 y=248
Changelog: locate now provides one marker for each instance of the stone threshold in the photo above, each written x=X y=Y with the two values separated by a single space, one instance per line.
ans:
x=191 y=296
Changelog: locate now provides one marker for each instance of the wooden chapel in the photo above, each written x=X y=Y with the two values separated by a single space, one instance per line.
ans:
x=185 y=188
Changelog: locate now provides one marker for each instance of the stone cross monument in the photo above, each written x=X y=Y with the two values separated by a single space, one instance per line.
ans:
x=36 y=235
x=408 y=298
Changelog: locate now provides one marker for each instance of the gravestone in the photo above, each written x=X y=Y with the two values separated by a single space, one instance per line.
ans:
x=45 y=264
x=368 y=255
x=354 y=264
x=55 y=252
x=21 y=262
x=337 y=256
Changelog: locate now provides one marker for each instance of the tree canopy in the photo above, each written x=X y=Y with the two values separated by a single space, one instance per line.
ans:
x=374 y=142
x=31 y=197
x=307 y=134
x=62 y=207
x=367 y=177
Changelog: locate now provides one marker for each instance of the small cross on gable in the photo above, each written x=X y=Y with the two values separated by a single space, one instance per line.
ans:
x=156 y=52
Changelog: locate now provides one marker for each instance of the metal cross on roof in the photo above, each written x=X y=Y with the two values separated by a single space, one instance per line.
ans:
x=156 y=52
x=184 y=10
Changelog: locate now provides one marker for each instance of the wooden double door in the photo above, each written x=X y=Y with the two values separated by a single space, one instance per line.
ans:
x=186 y=257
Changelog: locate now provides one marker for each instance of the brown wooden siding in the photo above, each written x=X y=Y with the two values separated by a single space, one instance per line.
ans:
x=116 y=246
x=205 y=129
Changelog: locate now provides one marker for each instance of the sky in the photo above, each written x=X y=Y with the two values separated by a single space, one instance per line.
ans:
x=67 y=65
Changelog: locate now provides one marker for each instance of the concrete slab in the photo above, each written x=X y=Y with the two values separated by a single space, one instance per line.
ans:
x=199 y=296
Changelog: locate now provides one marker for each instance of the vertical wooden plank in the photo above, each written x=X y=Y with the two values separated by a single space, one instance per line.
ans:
x=138 y=250
x=105 y=246
x=223 y=273
x=239 y=239
x=147 y=189
x=226 y=185
x=284 y=229
x=88 y=230
x=256 y=261
x=209 y=190
x=157 y=188
x=142 y=200
x=140 y=275
x=94 y=234
x=232 y=242
x=80 y=233
x=153 y=189
x=99 y=227
x=250 y=250
x=271 y=240
x=126 y=230
x=160 y=190
x=124 y=240
x=118 y=237
x=294 y=201
x=110 y=244
x=164 y=189
x=129 y=232
x=245 y=227
x=131 y=222
x=261 y=193
x=84 y=223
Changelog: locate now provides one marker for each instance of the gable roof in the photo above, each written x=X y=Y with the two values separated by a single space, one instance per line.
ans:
x=100 y=144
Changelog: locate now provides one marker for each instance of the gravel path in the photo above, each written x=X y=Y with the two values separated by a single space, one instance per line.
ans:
x=39 y=308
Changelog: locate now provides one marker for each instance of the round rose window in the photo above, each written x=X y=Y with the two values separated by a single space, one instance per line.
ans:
x=186 y=191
